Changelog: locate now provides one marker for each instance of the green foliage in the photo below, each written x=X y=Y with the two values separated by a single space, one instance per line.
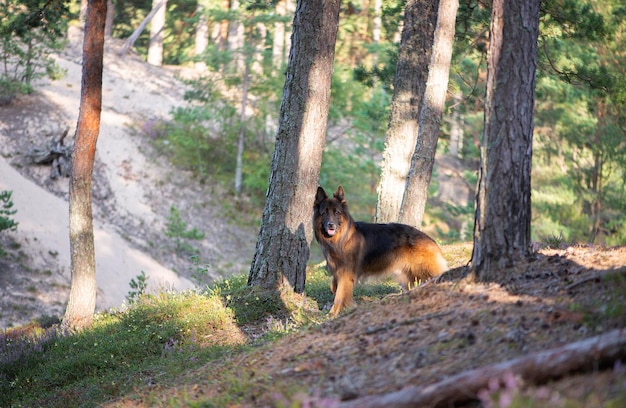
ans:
x=6 y=211
x=30 y=30
x=138 y=287
x=179 y=30
x=178 y=230
x=158 y=335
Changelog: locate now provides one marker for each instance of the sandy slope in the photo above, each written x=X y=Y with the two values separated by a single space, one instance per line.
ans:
x=44 y=234
x=132 y=91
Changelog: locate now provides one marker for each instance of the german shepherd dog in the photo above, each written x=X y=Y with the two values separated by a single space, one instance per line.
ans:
x=355 y=250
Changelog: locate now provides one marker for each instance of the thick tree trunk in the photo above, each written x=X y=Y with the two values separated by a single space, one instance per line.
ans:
x=420 y=20
x=423 y=159
x=157 y=27
x=535 y=368
x=502 y=221
x=82 y=300
x=282 y=248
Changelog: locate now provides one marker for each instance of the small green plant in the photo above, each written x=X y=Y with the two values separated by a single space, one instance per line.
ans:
x=555 y=241
x=199 y=272
x=177 y=229
x=30 y=31
x=6 y=211
x=138 y=285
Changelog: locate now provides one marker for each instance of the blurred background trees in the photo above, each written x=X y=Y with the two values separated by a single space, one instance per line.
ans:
x=579 y=157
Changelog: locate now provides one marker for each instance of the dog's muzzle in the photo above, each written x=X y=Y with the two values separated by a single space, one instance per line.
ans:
x=331 y=228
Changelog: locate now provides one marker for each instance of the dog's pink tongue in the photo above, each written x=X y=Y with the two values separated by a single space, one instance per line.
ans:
x=332 y=232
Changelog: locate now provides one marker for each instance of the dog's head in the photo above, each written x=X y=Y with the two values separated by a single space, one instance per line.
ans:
x=329 y=214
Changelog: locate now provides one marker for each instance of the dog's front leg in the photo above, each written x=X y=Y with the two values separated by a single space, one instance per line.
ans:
x=343 y=281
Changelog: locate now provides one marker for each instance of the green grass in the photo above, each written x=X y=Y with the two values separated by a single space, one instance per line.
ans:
x=158 y=336
x=155 y=340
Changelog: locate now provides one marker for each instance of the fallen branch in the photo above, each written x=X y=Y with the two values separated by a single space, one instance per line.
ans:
x=535 y=368
x=598 y=277
x=56 y=154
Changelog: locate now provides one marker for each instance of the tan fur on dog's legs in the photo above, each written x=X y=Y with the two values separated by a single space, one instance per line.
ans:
x=343 y=293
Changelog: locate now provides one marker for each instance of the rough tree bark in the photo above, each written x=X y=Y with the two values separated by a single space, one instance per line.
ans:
x=535 y=368
x=502 y=220
x=420 y=20
x=82 y=300
x=282 y=248
x=423 y=160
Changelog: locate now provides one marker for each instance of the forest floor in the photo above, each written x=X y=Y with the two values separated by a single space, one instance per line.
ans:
x=416 y=339
x=430 y=334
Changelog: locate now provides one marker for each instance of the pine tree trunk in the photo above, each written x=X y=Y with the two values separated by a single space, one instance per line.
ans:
x=416 y=193
x=130 y=41
x=278 y=44
x=502 y=221
x=377 y=25
x=242 y=122
x=82 y=300
x=202 y=32
x=420 y=19
x=282 y=248
x=235 y=37
x=155 y=49
x=456 y=128
x=108 y=26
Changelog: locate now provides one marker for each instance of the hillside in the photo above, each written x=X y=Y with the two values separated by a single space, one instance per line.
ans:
x=445 y=328
x=134 y=190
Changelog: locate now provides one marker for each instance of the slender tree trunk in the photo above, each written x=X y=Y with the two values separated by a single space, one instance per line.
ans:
x=502 y=221
x=157 y=27
x=108 y=26
x=282 y=248
x=82 y=13
x=290 y=6
x=420 y=19
x=423 y=159
x=596 y=174
x=242 y=120
x=202 y=32
x=456 y=128
x=130 y=41
x=235 y=37
x=377 y=25
x=278 y=45
x=82 y=300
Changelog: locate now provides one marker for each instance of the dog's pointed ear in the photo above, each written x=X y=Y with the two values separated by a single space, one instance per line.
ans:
x=340 y=195
x=319 y=196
